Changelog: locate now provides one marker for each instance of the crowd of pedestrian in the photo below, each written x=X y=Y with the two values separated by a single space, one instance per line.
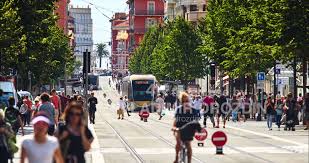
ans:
x=60 y=129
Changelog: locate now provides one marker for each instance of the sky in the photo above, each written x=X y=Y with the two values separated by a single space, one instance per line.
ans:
x=101 y=24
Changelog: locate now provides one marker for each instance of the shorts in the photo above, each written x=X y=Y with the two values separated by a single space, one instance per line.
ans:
x=120 y=112
x=222 y=114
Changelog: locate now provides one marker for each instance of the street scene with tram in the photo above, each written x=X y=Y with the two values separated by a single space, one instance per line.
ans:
x=154 y=81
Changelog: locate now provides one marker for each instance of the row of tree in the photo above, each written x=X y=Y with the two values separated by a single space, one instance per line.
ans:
x=241 y=37
x=31 y=41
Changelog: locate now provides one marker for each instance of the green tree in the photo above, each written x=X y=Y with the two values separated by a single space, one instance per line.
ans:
x=176 y=57
x=11 y=39
x=102 y=52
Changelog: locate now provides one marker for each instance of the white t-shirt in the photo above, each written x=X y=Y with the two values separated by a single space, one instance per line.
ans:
x=197 y=104
x=23 y=109
x=122 y=104
x=40 y=153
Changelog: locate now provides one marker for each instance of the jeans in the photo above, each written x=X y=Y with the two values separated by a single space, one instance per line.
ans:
x=269 y=120
x=278 y=120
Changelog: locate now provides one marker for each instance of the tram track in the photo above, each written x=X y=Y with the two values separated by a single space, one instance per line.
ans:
x=162 y=139
x=128 y=147
x=236 y=149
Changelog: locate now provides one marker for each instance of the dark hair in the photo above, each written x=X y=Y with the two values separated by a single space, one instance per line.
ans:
x=11 y=101
x=53 y=91
x=69 y=109
x=45 y=97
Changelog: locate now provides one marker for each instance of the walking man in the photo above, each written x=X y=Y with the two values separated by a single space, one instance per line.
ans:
x=121 y=108
x=47 y=108
x=54 y=98
x=93 y=101
x=126 y=105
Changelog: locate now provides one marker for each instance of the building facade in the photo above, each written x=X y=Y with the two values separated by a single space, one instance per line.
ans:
x=119 y=43
x=62 y=12
x=143 y=14
x=191 y=10
x=83 y=32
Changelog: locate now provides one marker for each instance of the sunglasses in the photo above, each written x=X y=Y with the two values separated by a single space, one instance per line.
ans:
x=75 y=114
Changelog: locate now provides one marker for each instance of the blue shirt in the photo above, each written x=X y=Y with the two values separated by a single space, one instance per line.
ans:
x=183 y=117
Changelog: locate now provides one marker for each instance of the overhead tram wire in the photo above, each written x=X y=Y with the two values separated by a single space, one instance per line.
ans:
x=95 y=6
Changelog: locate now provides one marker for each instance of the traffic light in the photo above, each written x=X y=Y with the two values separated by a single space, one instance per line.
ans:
x=212 y=74
x=84 y=61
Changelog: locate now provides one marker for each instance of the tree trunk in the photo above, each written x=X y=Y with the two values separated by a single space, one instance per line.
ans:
x=100 y=62
x=294 y=79
x=305 y=68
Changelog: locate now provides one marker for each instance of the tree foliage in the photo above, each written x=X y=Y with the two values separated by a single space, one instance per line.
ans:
x=169 y=52
x=102 y=51
x=30 y=40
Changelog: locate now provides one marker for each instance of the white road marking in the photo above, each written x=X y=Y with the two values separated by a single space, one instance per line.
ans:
x=268 y=136
x=212 y=150
x=96 y=155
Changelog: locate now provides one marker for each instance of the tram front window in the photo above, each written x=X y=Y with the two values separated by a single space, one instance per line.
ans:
x=142 y=90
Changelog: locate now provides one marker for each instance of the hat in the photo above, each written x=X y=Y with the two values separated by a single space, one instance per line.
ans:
x=40 y=119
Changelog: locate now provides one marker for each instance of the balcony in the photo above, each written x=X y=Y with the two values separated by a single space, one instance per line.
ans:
x=194 y=16
x=149 y=13
x=192 y=2
x=120 y=53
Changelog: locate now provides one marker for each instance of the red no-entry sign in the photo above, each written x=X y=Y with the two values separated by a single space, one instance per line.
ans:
x=219 y=139
x=201 y=136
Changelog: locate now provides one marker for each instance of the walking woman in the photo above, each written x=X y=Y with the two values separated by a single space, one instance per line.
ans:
x=75 y=138
x=270 y=113
x=41 y=147
x=306 y=111
x=279 y=112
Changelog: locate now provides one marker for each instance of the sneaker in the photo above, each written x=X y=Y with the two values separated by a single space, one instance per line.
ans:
x=306 y=128
x=223 y=126
x=217 y=127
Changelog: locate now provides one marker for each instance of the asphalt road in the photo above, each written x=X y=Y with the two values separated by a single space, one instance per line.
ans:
x=131 y=140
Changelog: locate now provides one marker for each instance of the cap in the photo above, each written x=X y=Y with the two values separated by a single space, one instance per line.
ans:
x=40 y=119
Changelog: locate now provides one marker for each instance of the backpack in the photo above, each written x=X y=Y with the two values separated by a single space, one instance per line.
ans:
x=12 y=119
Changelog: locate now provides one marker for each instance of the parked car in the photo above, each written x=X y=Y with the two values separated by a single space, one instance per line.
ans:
x=9 y=90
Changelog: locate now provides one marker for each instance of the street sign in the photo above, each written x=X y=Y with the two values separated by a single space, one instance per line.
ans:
x=219 y=139
x=261 y=76
x=201 y=136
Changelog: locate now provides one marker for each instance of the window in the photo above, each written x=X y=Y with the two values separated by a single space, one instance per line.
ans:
x=121 y=45
x=193 y=8
x=151 y=7
x=150 y=22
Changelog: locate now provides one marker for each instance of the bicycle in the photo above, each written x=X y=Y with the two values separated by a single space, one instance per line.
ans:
x=188 y=131
x=183 y=158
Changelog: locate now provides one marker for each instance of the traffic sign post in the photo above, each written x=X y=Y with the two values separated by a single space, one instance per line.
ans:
x=219 y=139
x=201 y=137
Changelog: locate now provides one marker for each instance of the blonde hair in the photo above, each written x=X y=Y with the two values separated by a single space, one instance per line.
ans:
x=183 y=95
